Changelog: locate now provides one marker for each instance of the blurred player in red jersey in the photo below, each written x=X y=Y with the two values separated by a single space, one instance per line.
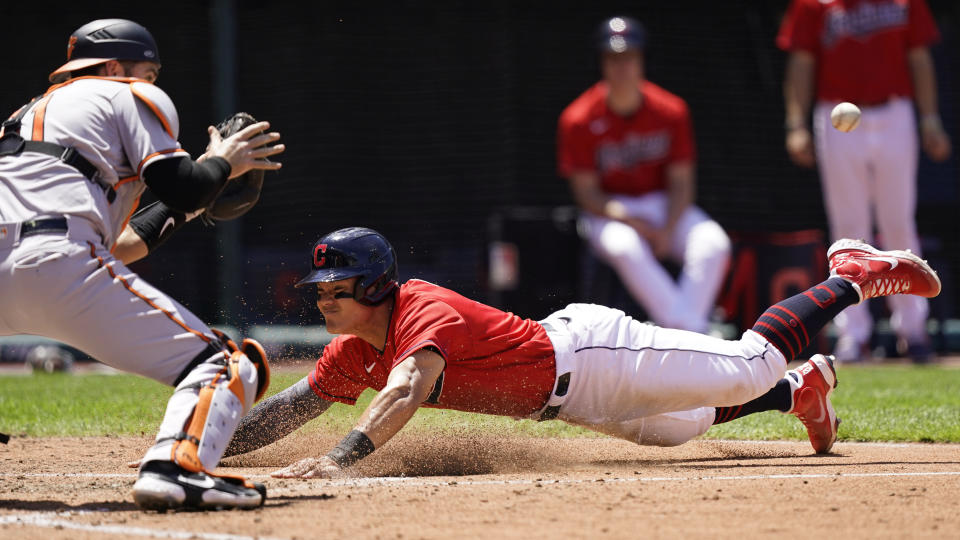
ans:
x=420 y=344
x=626 y=146
x=875 y=54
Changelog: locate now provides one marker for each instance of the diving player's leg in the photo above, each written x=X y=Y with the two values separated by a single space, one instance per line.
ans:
x=623 y=369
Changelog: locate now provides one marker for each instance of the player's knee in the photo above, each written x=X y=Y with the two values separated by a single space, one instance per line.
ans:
x=251 y=373
x=674 y=429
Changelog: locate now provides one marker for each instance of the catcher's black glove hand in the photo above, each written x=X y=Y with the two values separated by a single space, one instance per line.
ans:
x=240 y=194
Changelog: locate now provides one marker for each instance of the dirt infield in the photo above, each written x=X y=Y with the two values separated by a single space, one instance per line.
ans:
x=463 y=487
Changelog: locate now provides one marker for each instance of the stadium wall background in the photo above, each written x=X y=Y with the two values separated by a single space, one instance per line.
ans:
x=423 y=122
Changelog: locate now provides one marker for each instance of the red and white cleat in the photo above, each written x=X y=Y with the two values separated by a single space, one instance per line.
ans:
x=881 y=273
x=811 y=386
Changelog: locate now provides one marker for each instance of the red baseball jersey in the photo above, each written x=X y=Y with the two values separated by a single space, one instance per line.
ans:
x=496 y=362
x=630 y=153
x=860 y=45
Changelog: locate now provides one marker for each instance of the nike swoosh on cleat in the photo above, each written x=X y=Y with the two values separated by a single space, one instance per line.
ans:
x=206 y=483
x=893 y=261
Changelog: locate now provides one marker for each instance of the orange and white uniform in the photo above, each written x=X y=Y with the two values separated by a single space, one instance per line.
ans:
x=66 y=284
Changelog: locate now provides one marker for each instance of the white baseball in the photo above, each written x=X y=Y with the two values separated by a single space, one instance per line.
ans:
x=845 y=116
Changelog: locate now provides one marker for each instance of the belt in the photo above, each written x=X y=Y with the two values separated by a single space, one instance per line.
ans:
x=41 y=226
x=551 y=412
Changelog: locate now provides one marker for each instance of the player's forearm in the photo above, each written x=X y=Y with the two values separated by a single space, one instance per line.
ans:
x=389 y=411
x=798 y=88
x=924 y=83
x=186 y=185
x=276 y=417
x=130 y=247
x=589 y=197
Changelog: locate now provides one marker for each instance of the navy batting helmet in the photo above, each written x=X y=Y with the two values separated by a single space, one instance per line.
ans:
x=619 y=34
x=106 y=39
x=351 y=252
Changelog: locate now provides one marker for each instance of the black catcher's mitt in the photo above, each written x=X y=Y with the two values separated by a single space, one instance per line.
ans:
x=241 y=193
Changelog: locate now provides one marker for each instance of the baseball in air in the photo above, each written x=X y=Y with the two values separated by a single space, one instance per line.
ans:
x=845 y=116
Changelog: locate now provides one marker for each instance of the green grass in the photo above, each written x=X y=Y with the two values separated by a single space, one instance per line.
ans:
x=881 y=403
x=876 y=403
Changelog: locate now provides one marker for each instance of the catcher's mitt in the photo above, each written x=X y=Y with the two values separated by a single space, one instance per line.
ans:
x=240 y=194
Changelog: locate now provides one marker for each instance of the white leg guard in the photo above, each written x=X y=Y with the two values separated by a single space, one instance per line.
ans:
x=207 y=406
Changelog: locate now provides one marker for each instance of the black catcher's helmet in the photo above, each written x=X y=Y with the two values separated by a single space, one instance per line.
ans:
x=355 y=251
x=106 y=39
x=619 y=34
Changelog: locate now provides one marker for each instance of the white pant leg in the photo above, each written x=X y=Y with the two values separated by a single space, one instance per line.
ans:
x=699 y=244
x=619 y=245
x=76 y=292
x=704 y=250
x=895 y=152
x=668 y=429
x=623 y=370
x=91 y=301
x=848 y=191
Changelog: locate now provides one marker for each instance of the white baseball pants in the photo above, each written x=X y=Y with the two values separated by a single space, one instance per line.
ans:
x=869 y=175
x=653 y=385
x=68 y=287
x=699 y=243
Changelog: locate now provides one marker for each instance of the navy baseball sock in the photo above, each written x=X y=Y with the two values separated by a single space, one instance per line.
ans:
x=776 y=399
x=791 y=324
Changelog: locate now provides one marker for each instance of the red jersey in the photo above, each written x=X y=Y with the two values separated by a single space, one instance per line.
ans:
x=630 y=153
x=860 y=45
x=497 y=363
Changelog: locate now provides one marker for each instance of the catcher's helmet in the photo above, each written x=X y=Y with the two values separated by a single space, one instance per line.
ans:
x=106 y=39
x=619 y=34
x=355 y=251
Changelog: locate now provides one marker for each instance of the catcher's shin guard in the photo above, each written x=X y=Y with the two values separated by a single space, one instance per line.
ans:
x=220 y=405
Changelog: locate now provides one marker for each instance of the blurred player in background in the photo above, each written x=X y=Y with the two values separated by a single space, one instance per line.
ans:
x=875 y=54
x=420 y=344
x=626 y=146
x=74 y=163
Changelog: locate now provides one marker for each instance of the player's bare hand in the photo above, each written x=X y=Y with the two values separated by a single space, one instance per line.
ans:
x=246 y=149
x=800 y=147
x=323 y=467
x=936 y=142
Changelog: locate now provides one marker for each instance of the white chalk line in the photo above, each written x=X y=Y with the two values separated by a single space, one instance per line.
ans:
x=54 y=520
x=418 y=482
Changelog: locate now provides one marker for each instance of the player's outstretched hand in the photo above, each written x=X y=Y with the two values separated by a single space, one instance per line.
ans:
x=246 y=149
x=323 y=467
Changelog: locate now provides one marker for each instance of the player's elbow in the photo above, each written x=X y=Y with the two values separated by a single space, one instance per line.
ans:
x=401 y=392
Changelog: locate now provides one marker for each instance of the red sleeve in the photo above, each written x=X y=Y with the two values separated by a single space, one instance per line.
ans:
x=682 y=147
x=800 y=29
x=337 y=375
x=430 y=323
x=575 y=151
x=922 y=30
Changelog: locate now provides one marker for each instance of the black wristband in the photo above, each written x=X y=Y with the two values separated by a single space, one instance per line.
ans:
x=354 y=447
x=155 y=223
